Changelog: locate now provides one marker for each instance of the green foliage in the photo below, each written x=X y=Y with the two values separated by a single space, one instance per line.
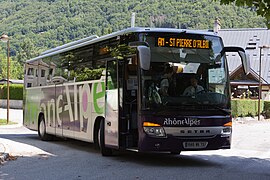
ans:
x=35 y=26
x=262 y=7
x=27 y=50
x=16 y=69
x=15 y=92
x=4 y=122
x=121 y=51
x=51 y=23
x=266 y=109
x=87 y=74
x=245 y=107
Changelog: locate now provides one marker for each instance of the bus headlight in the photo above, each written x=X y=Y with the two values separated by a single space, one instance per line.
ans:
x=226 y=132
x=153 y=129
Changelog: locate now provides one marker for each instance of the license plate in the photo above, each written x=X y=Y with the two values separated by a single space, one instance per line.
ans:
x=195 y=145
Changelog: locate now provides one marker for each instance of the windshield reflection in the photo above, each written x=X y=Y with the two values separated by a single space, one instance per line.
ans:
x=174 y=81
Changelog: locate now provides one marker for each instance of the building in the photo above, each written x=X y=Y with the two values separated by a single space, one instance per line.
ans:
x=38 y=73
x=251 y=40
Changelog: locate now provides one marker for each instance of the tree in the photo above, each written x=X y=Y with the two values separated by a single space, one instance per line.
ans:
x=35 y=26
x=15 y=68
x=262 y=7
x=26 y=51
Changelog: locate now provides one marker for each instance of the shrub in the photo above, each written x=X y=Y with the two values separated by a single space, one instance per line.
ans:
x=245 y=107
x=266 y=109
x=15 y=91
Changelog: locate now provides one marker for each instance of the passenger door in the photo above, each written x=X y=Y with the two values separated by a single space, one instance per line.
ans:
x=112 y=105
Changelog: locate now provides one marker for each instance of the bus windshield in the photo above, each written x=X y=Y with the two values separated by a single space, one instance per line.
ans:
x=185 y=71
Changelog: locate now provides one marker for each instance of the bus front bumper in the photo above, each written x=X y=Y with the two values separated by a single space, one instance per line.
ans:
x=174 y=144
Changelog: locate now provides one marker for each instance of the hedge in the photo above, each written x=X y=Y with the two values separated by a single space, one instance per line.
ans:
x=15 y=91
x=247 y=107
x=266 y=110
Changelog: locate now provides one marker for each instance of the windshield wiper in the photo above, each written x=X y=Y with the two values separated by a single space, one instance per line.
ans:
x=226 y=111
x=199 y=106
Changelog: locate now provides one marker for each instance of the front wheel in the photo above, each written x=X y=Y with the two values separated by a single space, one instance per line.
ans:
x=101 y=140
x=175 y=152
x=42 y=129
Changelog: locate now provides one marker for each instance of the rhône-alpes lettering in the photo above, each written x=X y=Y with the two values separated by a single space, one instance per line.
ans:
x=79 y=108
x=183 y=122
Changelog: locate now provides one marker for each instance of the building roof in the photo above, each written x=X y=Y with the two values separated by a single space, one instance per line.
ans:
x=249 y=39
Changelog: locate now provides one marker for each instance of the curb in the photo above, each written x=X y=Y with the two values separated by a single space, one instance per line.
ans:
x=11 y=126
x=3 y=153
x=3 y=157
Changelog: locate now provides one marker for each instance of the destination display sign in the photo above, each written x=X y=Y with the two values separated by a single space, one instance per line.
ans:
x=182 y=42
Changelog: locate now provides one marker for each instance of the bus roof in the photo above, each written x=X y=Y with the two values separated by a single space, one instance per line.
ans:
x=94 y=38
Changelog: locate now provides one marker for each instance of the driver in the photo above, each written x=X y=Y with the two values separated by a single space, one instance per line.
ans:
x=193 y=88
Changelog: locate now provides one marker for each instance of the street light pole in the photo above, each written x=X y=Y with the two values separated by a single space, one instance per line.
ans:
x=260 y=83
x=5 y=38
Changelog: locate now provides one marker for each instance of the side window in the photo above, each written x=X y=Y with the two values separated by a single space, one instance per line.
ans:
x=51 y=70
x=30 y=72
x=30 y=80
x=77 y=64
x=29 y=85
x=82 y=65
x=42 y=73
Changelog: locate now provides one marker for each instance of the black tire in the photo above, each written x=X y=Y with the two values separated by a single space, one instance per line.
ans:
x=175 y=152
x=42 y=129
x=96 y=137
x=101 y=140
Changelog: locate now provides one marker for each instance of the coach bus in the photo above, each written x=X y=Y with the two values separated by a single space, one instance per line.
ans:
x=107 y=90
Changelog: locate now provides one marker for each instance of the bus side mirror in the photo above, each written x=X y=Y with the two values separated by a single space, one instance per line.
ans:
x=144 y=56
x=244 y=57
x=245 y=61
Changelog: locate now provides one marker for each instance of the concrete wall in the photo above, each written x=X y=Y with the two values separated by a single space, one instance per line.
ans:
x=13 y=104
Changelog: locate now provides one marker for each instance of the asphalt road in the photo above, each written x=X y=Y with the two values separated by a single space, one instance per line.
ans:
x=249 y=158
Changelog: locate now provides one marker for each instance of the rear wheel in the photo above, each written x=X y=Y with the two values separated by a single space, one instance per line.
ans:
x=42 y=129
x=101 y=141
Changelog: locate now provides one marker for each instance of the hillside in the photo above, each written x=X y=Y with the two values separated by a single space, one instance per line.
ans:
x=37 y=25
